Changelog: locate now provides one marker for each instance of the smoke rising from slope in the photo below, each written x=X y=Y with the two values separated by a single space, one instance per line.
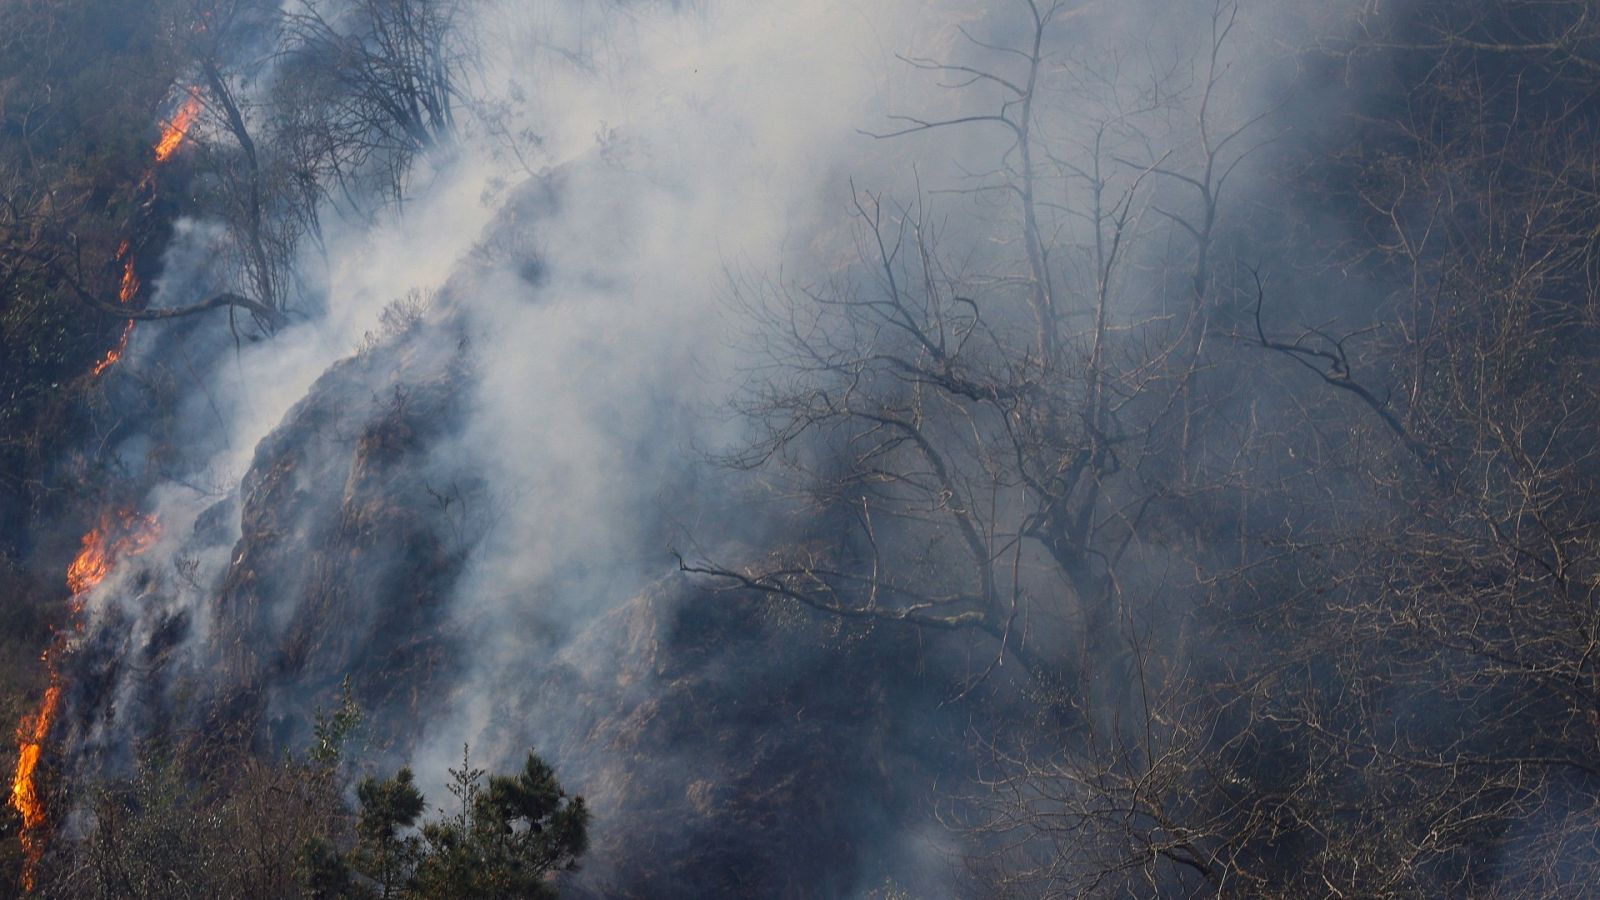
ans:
x=631 y=162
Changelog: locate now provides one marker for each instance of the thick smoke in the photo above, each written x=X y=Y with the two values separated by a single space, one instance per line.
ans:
x=626 y=164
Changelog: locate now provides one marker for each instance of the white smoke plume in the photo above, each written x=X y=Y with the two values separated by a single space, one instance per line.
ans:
x=622 y=160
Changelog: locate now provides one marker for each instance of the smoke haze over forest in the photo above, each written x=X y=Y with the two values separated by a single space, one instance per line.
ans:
x=923 y=448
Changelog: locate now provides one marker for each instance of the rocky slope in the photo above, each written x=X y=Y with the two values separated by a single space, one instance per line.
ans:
x=728 y=747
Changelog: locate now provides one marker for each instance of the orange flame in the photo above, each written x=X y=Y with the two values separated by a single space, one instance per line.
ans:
x=173 y=133
x=91 y=565
x=128 y=534
x=134 y=535
x=125 y=294
x=95 y=561
x=172 y=137
x=115 y=353
x=25 y=798
x=130 y=280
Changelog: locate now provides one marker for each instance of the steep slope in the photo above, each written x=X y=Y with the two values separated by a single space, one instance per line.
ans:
x=728 y=747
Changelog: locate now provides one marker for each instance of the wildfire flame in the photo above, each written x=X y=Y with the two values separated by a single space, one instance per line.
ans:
x=173 y=133
x=24 y=788
x=134 y=535
x=130 y=279
x=128 y=290
x=126 y=534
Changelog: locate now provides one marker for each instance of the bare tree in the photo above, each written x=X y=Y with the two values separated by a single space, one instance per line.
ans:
x=370 y=84
x=291 y=106
x=980 y=442
x=1434 y=614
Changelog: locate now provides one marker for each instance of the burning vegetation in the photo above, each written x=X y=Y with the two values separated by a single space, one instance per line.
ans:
x=117 y=537
x=125 y=534
x=127 y=292
x=31 y=735
x=176 y=130
x=173 y=134
x=1060 y=534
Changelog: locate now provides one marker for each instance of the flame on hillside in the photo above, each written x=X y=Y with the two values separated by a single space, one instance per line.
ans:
x=126 y=291
x=31 y=734
x=130 y=535
x=123 y=535
x=117 y=537
x=173 y=133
